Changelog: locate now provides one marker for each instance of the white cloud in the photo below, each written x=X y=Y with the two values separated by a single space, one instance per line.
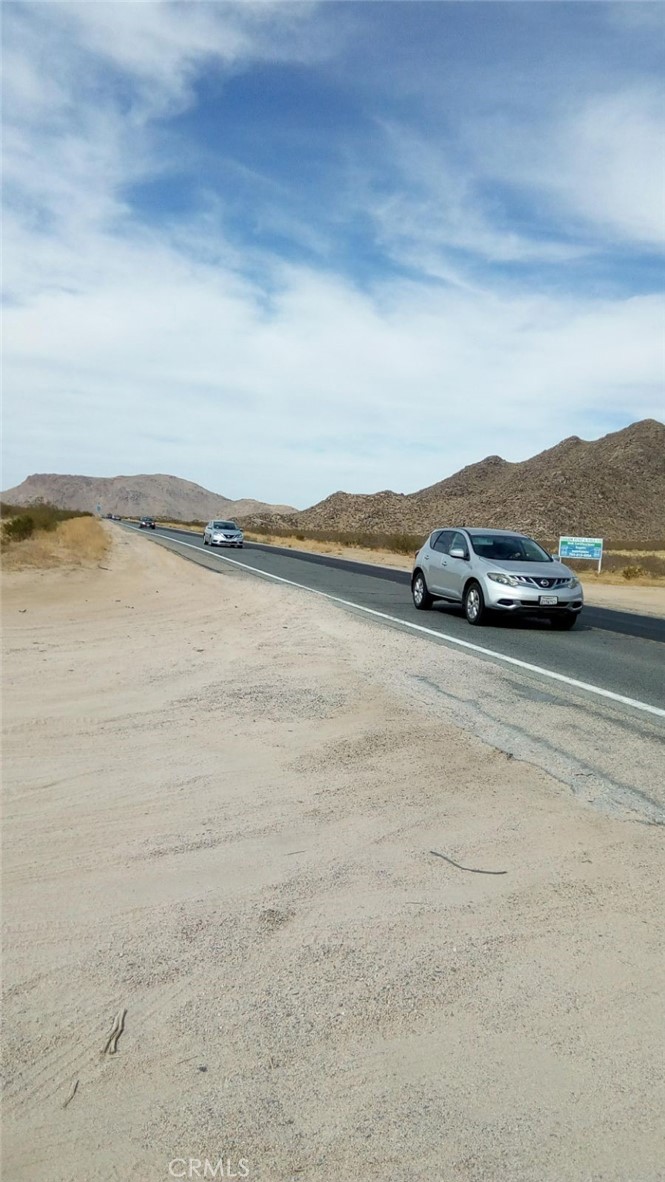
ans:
x=147 y=348
x=599 y=163
x=138 y=350
x=610 y=164
x=437 y=206
x=158 y=45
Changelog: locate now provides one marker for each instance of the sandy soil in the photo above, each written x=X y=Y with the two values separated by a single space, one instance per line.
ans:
x=219 y=812
x=647 y=601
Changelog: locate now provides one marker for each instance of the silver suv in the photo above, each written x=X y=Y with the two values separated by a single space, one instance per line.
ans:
x=223 y=533
x=495 y=570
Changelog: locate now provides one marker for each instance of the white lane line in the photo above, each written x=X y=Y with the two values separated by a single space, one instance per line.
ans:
x=467 y=644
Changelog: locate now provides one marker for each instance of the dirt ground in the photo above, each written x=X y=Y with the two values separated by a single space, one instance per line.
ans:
x=646 y=601
x=219 y=818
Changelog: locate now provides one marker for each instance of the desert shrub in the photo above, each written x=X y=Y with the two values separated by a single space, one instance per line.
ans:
x=402 y=543
x=20 y=522
x=397 y=543
x=651 y=544
x=633 y=572
x=79 y=541
x=653 y=564
x=615 y=564
x=44 y=515
x=18 y=528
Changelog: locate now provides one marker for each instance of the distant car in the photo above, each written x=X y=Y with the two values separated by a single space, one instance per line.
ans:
x=223 y=533
x=493 y=570
x=147 y=523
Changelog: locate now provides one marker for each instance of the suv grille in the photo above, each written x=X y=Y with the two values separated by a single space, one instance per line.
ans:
x=534 y=581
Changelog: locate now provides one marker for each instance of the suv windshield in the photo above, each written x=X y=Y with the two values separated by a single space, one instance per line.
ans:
x=224 y=525
x=503 y=548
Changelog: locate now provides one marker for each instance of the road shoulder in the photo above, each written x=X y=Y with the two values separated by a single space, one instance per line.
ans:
x=223 y=799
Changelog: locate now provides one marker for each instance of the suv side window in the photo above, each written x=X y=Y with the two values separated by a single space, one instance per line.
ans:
x=443 y=541
x=459 y=542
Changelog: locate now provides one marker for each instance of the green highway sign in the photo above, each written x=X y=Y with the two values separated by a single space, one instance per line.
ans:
x=589 y=548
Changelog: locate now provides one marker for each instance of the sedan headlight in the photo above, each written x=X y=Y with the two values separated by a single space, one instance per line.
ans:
x=505 y=580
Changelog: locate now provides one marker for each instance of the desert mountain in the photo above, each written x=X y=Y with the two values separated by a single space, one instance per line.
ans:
x=613 y=487
x=165 y=497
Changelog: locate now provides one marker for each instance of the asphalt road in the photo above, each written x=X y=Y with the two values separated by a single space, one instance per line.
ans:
x=618 y=652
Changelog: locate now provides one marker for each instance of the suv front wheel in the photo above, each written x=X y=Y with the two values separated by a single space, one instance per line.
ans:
x=474 y=604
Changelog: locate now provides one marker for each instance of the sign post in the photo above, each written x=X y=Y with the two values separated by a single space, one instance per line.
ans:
x=588 y=548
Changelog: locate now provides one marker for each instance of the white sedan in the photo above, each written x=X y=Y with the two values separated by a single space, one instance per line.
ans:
x=223 y=533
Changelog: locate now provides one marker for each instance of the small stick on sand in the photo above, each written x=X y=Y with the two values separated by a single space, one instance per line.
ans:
x=470 y=869
x=72 y=1093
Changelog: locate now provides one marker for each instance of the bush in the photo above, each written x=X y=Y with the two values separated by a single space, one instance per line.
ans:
x=18 y=529
x=402 y=543
x=21 y=521
x=615 y=564
x=633 y=572
x=363 y=539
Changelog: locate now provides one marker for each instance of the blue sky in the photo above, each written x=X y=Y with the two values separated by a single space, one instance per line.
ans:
x=282 y=249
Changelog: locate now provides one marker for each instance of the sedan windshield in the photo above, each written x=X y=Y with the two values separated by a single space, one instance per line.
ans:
x=503 y=548
x=227 y=525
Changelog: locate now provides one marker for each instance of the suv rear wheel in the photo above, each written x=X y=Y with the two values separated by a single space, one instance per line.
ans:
x=421 y=596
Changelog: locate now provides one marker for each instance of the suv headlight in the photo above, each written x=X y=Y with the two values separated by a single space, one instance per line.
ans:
x=574 y=584
x=505 y=580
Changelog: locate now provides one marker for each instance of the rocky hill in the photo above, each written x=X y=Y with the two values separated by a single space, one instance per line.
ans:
x=612 y=487
x=165 y=497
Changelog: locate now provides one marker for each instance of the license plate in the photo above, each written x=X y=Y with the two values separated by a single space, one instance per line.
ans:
x=548 y=600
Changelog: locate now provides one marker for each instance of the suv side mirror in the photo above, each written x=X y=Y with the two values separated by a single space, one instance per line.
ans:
x=457 y=552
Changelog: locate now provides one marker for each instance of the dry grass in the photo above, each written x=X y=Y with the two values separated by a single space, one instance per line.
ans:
x=191 y=527
x=634 y=554
x=616 y=578
x=378 y=555
x=81 y=541
x=391 y=541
